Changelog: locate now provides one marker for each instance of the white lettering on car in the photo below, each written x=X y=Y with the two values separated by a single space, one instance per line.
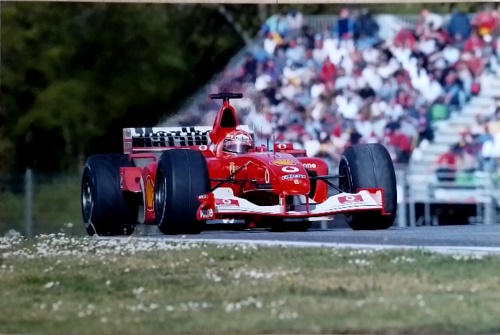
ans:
x=290 y=169
x=206 y=213
x=294 y=176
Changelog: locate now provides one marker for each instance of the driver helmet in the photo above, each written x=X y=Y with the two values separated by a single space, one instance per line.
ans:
x=237 y=142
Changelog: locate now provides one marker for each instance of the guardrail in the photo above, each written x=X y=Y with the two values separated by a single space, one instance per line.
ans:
x=318 y=22
x=473 y=194
x=421 y=196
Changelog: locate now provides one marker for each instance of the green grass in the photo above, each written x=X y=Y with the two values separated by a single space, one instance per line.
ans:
x=136 y=287
x=56 y=204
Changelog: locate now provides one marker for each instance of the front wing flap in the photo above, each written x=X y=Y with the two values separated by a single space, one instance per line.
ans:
x=222 y=203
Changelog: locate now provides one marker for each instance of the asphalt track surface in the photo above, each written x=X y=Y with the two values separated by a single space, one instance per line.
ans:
x=483 y=236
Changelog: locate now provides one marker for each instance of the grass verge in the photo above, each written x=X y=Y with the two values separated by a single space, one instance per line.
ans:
x=61 y=285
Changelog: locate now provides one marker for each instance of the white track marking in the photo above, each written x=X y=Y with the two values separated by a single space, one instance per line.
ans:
x=448 y=250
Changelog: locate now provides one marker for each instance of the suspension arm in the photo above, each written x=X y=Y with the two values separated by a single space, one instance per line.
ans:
x=229 y=178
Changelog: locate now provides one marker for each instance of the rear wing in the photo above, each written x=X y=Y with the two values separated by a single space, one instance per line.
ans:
x=148 y=139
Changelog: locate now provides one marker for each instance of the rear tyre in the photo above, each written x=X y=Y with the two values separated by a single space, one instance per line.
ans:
x=105 y=210
x=369 y=166
x=181 y=177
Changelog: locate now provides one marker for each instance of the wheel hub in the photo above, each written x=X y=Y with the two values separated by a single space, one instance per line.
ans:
x=87 y=201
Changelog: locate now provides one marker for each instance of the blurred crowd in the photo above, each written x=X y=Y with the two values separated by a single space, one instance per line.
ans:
x=348 y=83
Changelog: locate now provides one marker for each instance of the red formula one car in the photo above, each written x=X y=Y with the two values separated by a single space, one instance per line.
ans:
x=182 y=178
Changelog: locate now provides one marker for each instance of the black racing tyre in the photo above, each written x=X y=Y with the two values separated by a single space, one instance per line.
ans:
x=369 y=166
x=105 y=209
x=181 y=177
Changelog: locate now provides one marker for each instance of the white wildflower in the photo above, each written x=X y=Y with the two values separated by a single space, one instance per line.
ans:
x=138 y=291
x=50 y=284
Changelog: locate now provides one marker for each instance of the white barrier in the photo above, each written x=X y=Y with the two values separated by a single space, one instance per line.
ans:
x=479 y=189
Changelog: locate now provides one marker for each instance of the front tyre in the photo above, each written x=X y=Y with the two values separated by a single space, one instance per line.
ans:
x=104 y=207
x=369 y=166
x=181 y=177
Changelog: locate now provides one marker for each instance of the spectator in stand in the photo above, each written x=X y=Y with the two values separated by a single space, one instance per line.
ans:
x=455 y=96
x=249 y=68
x=319 y=54
x=296 y=50
x=466 y=77
x=459 y=27
x=278 y=24
x=365 y=30
x=439 y=111
x=490 y=151
x=447 y=164
x=450 y=54
x=494 y=122
x=400 y=143
x=271 y=43
x=429 y=22
x=453 y=161
x=345 y=25
x=486 y=21
x=480 y=142
x=328 y=72
x=295 y=21
x=474 y=43
x=467 y=162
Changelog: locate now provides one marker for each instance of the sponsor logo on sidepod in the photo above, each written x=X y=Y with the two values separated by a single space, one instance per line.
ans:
x=282 y=162
x=294 y=176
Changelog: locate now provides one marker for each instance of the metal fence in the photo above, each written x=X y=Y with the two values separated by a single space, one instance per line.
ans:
x=33 y=203
x=319 y=22
x=437 y=198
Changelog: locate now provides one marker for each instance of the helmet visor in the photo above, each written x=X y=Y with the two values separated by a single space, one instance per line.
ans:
x=237 y=147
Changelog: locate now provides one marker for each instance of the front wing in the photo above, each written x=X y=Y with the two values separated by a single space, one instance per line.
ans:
x=222 y=203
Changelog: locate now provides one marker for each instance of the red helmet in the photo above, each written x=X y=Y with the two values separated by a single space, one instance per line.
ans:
x=237 y=142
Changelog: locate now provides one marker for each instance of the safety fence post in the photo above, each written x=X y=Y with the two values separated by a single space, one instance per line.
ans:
x=402 y=198
x=28 y=202
x=489 y=211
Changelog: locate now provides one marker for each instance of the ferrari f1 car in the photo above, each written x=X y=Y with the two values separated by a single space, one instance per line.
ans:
x=183 y=178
